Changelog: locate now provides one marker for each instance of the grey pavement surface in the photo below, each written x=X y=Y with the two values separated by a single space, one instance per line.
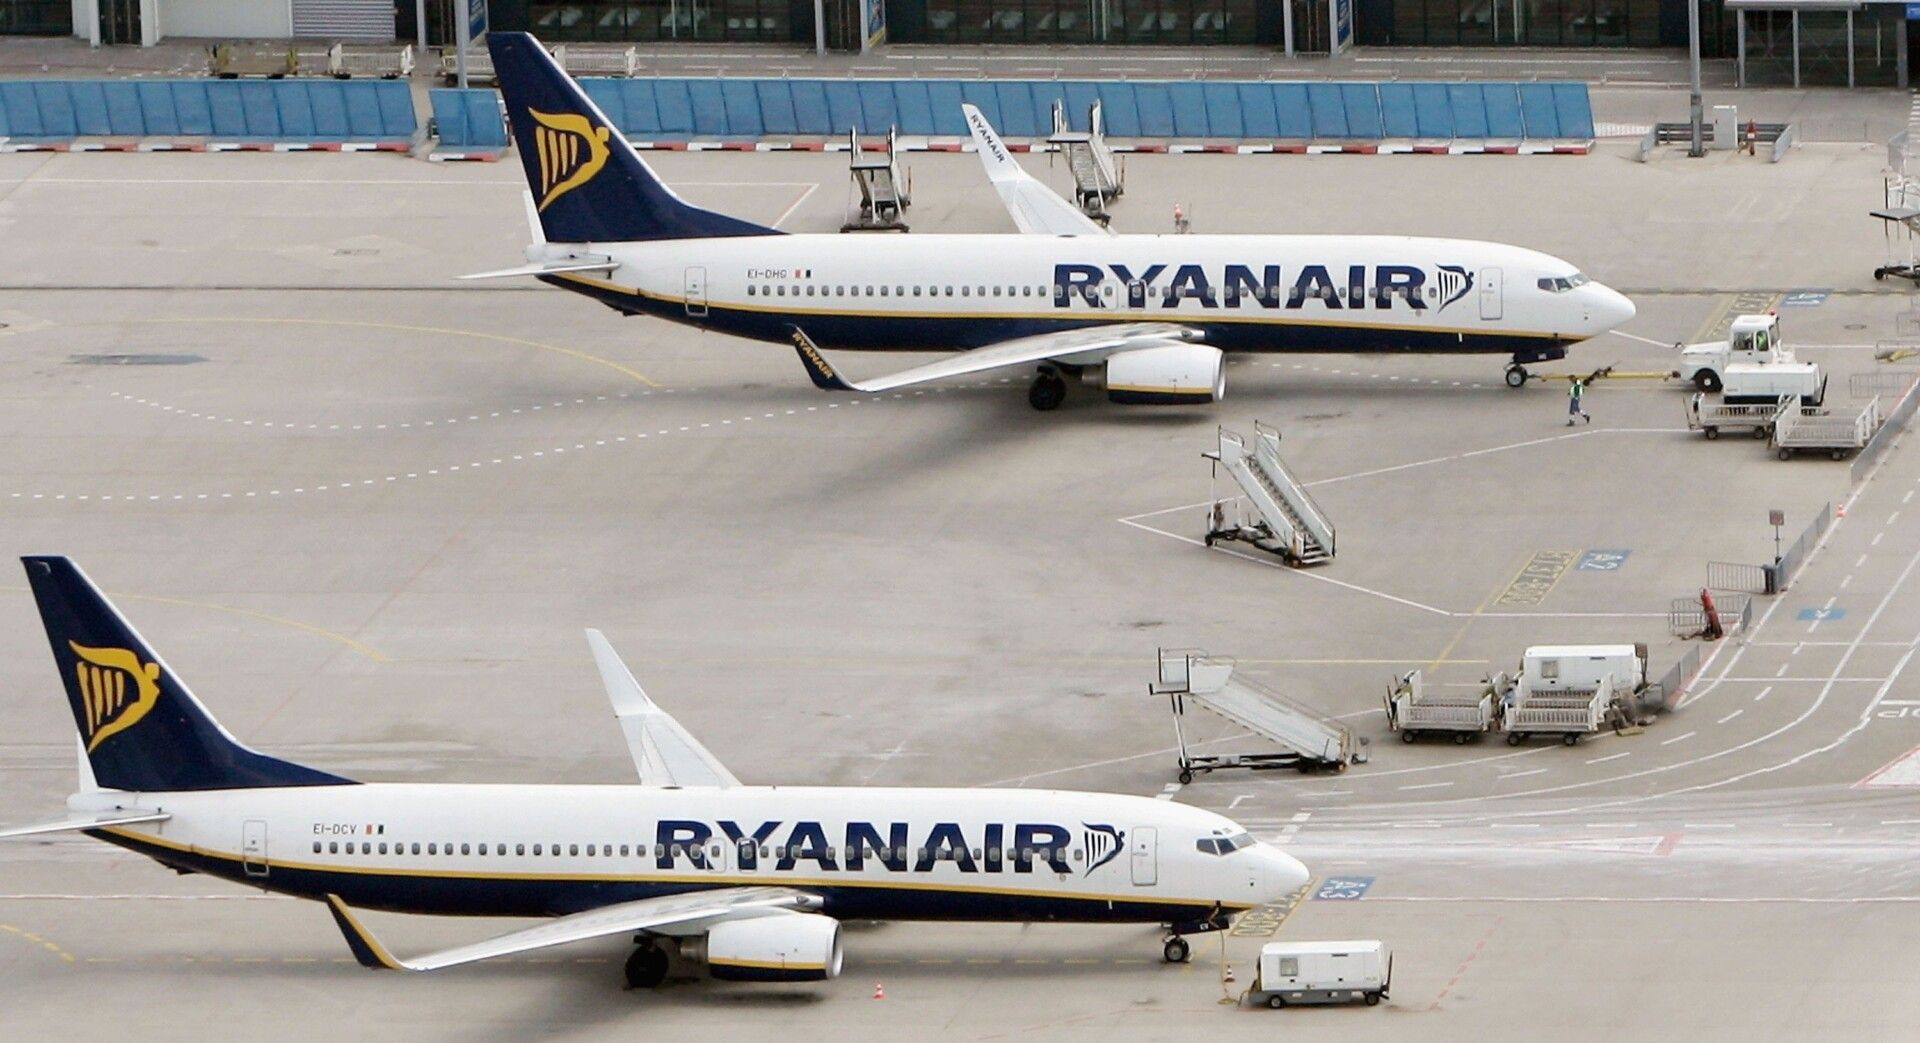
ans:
x=366 y=512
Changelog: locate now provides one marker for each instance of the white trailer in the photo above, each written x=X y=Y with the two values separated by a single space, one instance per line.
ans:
x=1752 y=366
x=1714 y=417
x=1322 y=972
x=1568 y=690
x=1414 y=710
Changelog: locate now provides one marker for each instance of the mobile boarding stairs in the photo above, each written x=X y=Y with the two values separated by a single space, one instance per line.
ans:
x=884 y=191
x=1273 y=511
x=1308 y=739
x=1097 y=179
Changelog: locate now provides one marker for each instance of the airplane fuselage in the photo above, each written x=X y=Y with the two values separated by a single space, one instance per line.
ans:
x=1251 y=293
x=508 y=850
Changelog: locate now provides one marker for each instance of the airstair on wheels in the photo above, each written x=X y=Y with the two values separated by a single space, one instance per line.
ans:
x=1308 y=739
x=1096 y=177
x=1273 y=511
x=885 y=193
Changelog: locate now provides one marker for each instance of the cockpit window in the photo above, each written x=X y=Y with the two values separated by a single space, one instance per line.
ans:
x=1208 y=845
x=1562 y=283
x=1224 y=845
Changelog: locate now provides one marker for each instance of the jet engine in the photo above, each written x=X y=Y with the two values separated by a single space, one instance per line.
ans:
x=1173 y=375
x=777 y=947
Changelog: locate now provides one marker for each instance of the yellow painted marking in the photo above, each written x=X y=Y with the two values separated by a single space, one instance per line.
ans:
x=1266 y=921
x=402 y=328
x=1537 y=578
x=37 y=940
x=320 y=631
x=1720 y=322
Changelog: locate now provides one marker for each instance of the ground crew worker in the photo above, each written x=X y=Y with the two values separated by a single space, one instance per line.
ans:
x=1576 y=396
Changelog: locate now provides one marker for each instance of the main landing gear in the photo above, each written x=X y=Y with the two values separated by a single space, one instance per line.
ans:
x=1176 y=950
x=647 y=967
x=1517 y=376
x=1048 y=391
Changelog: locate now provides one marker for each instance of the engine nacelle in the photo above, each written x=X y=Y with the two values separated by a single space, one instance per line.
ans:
x=779 y=947
x=1174 y=375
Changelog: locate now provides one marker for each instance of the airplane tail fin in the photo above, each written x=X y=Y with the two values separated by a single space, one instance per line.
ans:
x=140 y=727
x=589 y=185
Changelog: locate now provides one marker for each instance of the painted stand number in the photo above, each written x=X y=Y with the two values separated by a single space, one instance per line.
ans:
x=1602 y=560
x=1343 y=888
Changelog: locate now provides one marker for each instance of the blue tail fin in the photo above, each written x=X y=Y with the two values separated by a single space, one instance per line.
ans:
x=143 y=730
x=588 y=183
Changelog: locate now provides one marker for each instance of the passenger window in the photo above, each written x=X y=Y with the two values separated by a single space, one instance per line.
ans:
x=1026 y=291
x=483 y=849
x=949 y=291
x=677 y=850
x=416 y=849
x=316 y=847
x=466 y=849
x=963 y=291
x=993 y=854
x=883 y=291
x=333 y=847
x=765 y=290
x=519 y=849
x=809 y=289
x=780 y=291
x=623 y=851
x=765 y=851
x=996 y=291
x=1077 y=853
x=383 y=847
x=899 y=291
x=554 y=850
x=750 y=290
x=574 y=850
x=590 y=850
x=916 y=291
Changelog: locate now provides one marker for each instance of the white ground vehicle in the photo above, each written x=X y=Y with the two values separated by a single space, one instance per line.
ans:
x=1322 y=972
x=1753 y=365
x=1567 y=690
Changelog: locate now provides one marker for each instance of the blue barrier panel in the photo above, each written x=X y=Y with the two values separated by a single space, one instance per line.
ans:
x=1047 y=94
x=1432 y=111
x=944 y=98
x=1156 y=109
x=362 y=104
x=638 y=101
x=466 y=119
x=486 y=123
x=293 y=110
x=1189 y=104
x=742 y=108
x=1328 y=110
x=193 y=106
x=1257 y=116
x=981 y=95
x=449 y=115
x=1397 y=116
x=224 y=116
x=1120 y=108
x=1575 y=107
x=397 y=118
x=1223 y=110
x=606 y=93
x=329 y=114
x=1080 y=98
x=56 y=109
x=1537 y=113
x=876 y=106
x=914 y=106
x=1469 y=110
x=1292 y=110
x=1503 y=110
x=843 y=107
x=676 y=106
x=1362 y=104
x=709 y=107
x=158 y=114
x=1016 y=110
x=810 y=108
x=260 y=107
x=89 y=99
x=775 y=98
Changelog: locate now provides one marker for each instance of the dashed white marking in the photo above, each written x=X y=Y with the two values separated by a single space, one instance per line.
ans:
x=1678 y=738
x=1167 y=793
x=1426 y=785
x=1610 y=757
x=1764 y=692
x=1521 y=774
x=1730 y=716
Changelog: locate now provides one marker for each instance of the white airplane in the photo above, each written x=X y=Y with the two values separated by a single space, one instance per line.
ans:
x=1150 y=314
x=752 y=881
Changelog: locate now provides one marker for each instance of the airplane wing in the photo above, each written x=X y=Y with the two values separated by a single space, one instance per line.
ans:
x=85 y=822
x=1035 y=208
x=691 y=912
x=1096 y=340
x=664 y=753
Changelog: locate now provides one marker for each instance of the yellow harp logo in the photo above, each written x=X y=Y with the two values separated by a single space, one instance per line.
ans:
x=105 y=675
x=571 y=151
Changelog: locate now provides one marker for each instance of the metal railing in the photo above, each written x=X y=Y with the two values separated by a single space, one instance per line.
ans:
x=1294 y=493
x=1794 y=558
x=1666 y=693
x=1897 y=420
x=1686 y=617
x=1737 y=576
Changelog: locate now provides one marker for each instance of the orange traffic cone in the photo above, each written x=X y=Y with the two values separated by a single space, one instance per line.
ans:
x=1228 y=977
x=1840 y=511
x=879 y=991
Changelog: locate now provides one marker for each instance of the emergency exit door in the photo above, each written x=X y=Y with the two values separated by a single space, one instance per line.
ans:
x=1146 y=857
x=253 y=847
x=696 y=292
x=1490 y=293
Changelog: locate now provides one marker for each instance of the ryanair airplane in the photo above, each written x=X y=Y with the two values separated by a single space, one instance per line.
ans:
x=751 y=881
x=1146 y=316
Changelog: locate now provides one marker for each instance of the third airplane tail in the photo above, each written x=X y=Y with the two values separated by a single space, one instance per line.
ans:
x=588 y=183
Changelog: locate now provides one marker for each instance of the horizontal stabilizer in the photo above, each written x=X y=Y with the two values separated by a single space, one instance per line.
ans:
x=606 y=264
x=85 y=822
x=687 y=912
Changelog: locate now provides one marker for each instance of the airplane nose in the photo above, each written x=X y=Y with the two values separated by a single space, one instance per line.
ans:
x=1284 y=873
x=1612 y=308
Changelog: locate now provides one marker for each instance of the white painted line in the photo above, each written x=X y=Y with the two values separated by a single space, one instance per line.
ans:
x=1678 y=738
x=1427 y=785
x=1764 y=692
x=1610 y=757
x=1730 y=716
x=1876 y=539
x=1709 y=825
x=1522 y=774
x=1782 y=671
x=1900 y=821
x=1514 y=825
x=1292 y=827
x=1167 y=794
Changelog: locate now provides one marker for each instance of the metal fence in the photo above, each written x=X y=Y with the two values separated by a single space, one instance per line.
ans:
x=1736 y=576
x=1687 y=618
x=1794 y=558
x=1897 y=420
x=1666 y=693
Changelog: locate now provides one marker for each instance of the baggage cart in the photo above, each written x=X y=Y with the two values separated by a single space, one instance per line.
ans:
x=1414 y=710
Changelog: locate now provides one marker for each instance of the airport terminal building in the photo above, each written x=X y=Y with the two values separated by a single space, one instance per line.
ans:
x=1805 y=42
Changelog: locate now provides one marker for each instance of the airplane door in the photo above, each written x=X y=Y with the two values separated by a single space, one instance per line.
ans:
x=696 y=291
x=1146 y=857
x=1490 y=293
x=253 y=847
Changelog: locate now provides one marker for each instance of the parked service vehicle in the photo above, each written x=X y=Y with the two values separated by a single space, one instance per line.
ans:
x=1414 y=710
x=1569 y=690
x=1322 y=972
x=1752 y=366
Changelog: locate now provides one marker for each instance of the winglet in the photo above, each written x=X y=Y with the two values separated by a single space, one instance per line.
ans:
x=821 y=372
x=664 y=753
x=366 y=948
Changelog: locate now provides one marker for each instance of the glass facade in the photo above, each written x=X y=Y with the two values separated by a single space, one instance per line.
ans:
x=1089 y=21
x=36 y=17
x=1877 y=32
x=615 y=20
x=1522 y=23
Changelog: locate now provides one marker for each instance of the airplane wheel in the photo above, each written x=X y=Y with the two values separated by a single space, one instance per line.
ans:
x=1047 y=392
x=647 y=967
x=1176 y=950
x=1516 y=377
